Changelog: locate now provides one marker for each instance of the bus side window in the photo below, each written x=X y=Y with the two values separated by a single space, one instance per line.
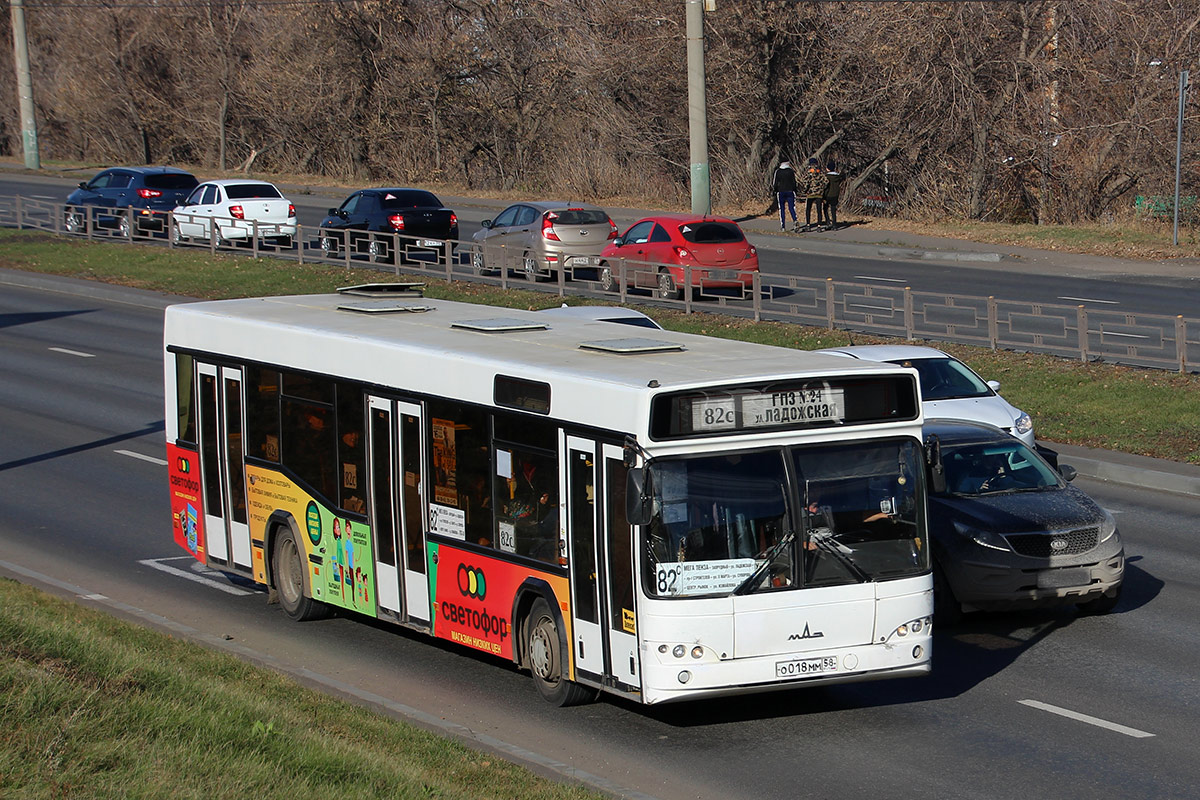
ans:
x=526 y=487
x=459 y=436
x=262 y=413
x=352 y=463
x=185 y=397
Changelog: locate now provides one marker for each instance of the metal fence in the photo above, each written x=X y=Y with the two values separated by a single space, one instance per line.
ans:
x=1072 y=331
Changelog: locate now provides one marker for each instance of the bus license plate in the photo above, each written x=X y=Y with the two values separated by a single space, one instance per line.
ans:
x=805 y=666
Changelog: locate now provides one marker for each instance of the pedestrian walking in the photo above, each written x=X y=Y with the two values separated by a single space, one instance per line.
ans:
x=783 y=184
x=814 y=192
x=833 y=192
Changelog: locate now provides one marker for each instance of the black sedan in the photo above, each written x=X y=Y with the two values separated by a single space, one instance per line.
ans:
x=1009 y=532
x=122 y=197
x=381 y=222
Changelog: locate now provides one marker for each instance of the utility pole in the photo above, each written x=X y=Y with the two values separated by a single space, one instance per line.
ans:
x=24 y=86
x=697 y=107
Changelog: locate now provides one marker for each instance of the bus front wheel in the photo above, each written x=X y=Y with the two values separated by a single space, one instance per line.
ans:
x=288 y=569
x=547 y=659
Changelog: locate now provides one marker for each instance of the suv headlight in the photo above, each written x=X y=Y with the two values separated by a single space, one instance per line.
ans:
x=992 y=541
x=1023 y=424
x=1108 y=526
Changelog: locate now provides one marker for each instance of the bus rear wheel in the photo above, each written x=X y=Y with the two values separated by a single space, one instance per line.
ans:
x=546 y=655
x=288 y=568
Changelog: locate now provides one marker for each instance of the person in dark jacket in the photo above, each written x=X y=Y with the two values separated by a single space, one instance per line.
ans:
x=814 y=192
x=833 y=191
x=783 y=184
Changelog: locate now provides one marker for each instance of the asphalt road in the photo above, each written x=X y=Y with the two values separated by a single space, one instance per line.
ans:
x=810 y=257
x=1030 y=705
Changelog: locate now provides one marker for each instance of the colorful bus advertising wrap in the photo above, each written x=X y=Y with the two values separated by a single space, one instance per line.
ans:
x=187 y=503
x=474 y=598
x=338 y=550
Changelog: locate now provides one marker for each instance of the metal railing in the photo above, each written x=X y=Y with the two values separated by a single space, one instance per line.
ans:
x=1072 y=331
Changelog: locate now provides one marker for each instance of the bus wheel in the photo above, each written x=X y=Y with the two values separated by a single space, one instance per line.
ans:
x=547 y=660
x=288 y=569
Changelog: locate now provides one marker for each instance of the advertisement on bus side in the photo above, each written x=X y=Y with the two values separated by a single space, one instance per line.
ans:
x=342 y=572
x=187 y=507
x=473 y=598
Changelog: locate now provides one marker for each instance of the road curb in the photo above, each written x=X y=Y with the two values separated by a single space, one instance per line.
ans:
x=1131 y=470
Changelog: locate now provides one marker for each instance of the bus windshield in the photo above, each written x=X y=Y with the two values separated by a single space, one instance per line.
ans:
x=779 y=519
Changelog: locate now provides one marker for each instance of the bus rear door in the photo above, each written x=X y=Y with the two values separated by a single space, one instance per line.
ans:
x=222 y=461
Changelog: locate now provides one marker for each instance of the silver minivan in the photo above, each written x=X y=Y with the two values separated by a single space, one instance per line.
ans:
x=538 y=238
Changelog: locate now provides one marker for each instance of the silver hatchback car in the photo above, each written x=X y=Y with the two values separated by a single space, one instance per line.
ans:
x=539 y=238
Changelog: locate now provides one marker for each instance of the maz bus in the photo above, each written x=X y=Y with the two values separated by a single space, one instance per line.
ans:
x=654 y=514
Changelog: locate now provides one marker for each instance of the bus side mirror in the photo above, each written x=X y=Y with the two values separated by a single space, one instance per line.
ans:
x=933 y=460
x=637 y=504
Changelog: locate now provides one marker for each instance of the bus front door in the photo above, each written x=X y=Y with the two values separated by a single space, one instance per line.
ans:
x=618 y=563
x=583 y=516
x=222 y=465
x=398 y=508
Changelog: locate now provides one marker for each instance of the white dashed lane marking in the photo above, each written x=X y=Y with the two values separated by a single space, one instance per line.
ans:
x=1075 y=715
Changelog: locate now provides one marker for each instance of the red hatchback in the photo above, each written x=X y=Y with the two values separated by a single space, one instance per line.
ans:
x=661 y=252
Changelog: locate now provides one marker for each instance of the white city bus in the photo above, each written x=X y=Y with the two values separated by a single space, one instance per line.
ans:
x=654 y=514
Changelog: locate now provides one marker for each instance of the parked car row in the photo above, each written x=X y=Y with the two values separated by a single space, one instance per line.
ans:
x=666 y=253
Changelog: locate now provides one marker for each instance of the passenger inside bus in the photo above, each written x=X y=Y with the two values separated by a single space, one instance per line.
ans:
x=532 y=506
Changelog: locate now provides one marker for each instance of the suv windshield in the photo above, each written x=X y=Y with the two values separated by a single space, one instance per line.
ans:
x=775 y=519
x=711 y=232
x=995 y=468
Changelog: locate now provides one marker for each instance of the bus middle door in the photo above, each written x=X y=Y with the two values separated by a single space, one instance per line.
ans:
x=398 y=508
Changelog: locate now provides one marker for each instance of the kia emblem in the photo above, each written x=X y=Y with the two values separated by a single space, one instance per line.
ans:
x=1058 y=545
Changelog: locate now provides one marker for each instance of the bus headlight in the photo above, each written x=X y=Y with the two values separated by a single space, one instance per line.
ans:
x=914 y=627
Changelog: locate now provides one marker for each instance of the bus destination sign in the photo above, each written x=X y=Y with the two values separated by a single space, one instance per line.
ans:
x=794 y=405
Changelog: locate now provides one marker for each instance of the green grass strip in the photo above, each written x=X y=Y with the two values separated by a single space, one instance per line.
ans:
x=95 y=707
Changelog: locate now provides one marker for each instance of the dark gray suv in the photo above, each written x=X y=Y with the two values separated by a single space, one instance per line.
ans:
x=1008 y=531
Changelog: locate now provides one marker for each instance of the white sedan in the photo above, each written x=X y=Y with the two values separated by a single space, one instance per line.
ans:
x=949 y=388
x=240 y=210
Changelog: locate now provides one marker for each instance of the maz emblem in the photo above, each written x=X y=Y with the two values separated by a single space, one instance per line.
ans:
x=806 y=635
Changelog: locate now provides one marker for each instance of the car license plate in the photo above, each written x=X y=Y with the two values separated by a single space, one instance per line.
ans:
x=722 y=274
x=430 y=243
x=805 y=666
x=584 y=261
x=1062 y=578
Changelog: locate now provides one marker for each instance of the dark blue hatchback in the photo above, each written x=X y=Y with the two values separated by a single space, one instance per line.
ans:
x=130 y=199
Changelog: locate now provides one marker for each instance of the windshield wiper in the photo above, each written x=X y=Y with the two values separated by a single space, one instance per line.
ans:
x=770 y=556
x=840 y=553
